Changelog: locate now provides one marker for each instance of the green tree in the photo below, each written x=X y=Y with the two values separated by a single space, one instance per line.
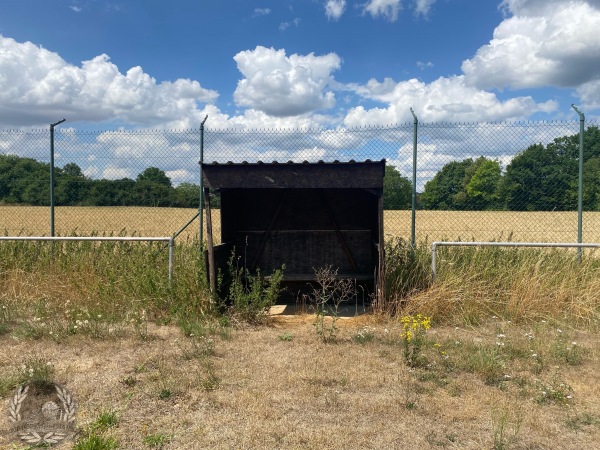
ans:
x=72 y=170
x=154 y=175
x=72 y=187
x=540 y=179
x=546 y=178
x=591 y=185
x=397 y=190
x=112 y=193
x=482 y=187
x=187 y=195
x=153 y=188
x=24 y=180
x=446 y=189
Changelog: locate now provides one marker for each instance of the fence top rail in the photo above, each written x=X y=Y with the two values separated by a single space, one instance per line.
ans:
x=515 y=244
x=434 y=246
x=86 y=238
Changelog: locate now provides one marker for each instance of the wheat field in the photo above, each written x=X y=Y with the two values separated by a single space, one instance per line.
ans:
x=430 y=225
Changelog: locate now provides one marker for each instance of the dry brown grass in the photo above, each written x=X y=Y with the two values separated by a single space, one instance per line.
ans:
x=280 y=386
x=270 y=392
x=430 y=225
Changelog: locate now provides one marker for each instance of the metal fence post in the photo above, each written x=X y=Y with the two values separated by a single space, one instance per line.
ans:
x=414 y=181
x=171 y=252
x=580 y=182
x=52 y=125
x=201 y=204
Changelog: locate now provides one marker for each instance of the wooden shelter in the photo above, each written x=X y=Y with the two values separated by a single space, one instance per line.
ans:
x=301 y=215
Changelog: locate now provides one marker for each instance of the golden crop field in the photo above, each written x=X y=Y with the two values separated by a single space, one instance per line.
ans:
x=430 y=225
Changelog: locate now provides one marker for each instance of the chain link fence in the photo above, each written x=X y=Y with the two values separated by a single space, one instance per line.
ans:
x=478 y=181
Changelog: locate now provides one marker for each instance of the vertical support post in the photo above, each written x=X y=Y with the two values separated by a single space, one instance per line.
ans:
x=52 y=125
x=380 y=280
x=580 y=182
x=212 y=272
x=201 y=203
x=171 y=251
x=433 y=261
x=414 y=182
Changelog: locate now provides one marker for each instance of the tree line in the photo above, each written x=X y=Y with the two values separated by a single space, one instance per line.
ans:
x=541 y=178
x=27 y=181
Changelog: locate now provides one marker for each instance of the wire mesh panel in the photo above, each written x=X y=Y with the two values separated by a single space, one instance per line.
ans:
x=505 y=181
x=478 y=181
x=117 y=182
x=309 y=145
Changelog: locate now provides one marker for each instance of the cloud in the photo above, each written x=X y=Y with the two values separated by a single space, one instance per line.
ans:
x=181 y=176
x=283 y=86
x=589 y=93
x=76 y=8
x=424 y=65
x=261 y=12
x=445 y=99
x=37 y=86
x=285 y=25
x=537 y=7
x=334 y=9
x=542 y=43
x=422 y=7
x=114 y=173
x=388 y=9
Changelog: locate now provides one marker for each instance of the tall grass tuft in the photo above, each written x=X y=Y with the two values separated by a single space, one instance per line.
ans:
x=62 y=288
x=406 y=273
x=521 y=285
x=80 y=285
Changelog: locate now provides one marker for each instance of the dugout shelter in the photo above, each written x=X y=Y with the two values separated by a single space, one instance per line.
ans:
x=301 y=215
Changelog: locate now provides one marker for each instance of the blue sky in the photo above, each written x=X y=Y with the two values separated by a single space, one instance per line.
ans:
x=295 y=63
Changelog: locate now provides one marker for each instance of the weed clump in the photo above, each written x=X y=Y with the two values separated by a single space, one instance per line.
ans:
x=250 y=296
x=326 y=297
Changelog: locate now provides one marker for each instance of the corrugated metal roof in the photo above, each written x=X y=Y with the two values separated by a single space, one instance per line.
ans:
x=351 y=161
x=336 y=174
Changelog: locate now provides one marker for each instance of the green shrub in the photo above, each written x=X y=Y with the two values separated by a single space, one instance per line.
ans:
x=250 y=296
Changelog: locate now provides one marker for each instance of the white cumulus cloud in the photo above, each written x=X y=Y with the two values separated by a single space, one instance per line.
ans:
x=542 y=43
x=537 y=7
x=445 y=99
x=284 y=86
x=37 y=86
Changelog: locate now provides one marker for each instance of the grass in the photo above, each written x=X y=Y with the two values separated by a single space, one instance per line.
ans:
x=510 y=361
x=303 y=393
x=474 y=284
x=95 y=289
x=158 y=440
